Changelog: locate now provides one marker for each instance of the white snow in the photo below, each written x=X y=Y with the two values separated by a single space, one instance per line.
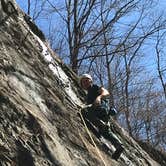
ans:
x=58 y=72
x=47 y=56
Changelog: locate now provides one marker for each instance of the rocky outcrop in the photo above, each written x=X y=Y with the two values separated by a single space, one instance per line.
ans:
x=39 y=102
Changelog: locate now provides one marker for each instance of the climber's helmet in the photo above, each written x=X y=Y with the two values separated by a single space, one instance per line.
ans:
x=86 y=81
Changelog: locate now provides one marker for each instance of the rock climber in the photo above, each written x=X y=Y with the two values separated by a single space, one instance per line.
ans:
x=98 y=113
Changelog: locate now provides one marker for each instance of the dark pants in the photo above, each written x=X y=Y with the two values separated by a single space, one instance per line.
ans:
x=94 y=122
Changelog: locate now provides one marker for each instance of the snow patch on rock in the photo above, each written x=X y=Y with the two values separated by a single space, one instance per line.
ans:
x=59 y=73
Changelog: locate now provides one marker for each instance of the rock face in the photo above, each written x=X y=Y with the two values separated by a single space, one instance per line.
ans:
x=39 y=103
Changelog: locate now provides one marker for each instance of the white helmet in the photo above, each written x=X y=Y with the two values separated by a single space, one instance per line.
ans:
x=86 y=76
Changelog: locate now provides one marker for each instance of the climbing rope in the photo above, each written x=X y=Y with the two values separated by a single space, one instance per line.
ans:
x=88 y=132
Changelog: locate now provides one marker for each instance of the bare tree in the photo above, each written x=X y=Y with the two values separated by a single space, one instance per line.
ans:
x=83 y=26
x=29 y=7
x=35 y=8
x=159 y=68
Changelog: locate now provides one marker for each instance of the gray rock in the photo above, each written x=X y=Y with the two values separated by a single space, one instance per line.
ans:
x=39 y=101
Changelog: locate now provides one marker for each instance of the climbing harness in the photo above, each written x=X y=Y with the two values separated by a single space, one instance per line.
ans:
x=88 y=132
